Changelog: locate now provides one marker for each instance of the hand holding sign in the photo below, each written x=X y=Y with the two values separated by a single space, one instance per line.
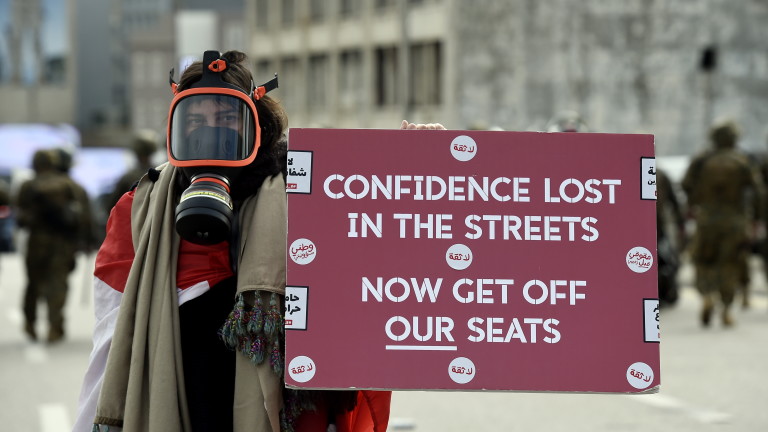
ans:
x=421 y=126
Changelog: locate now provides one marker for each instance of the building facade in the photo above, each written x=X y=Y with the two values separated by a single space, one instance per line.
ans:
x=665 y=67
x=37 y=74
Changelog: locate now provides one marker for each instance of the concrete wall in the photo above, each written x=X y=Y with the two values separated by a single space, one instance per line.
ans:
x=625 y=66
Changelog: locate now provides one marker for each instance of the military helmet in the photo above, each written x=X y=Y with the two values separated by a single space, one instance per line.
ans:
x=144 y=143
x=44 y=160
x=724 y=134
x=63 y=159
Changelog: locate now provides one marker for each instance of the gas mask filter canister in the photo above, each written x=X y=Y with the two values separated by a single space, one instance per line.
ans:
x=204 y=214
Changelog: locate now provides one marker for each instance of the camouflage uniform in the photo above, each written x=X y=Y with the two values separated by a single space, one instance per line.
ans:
x=50 y=210
x=86 y=237
x=718 y=184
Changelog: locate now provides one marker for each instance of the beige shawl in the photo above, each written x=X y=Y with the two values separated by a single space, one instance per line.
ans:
x=143 y=387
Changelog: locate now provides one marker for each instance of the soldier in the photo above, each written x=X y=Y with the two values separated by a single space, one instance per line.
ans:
x=48 y=207
x=86 y=236
x=718 y=183
x=144 y=146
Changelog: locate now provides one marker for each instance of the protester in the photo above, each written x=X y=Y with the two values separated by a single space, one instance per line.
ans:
x=189 y=330
x=717 y=184
x=49 y=208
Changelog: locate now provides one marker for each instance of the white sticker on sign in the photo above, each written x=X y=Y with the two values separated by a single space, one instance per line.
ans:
x=639 y=375
x=463 y=148
x=302 y=251
x=301 y=369
x=299 y=179
x=639 y=259
x=461 y=370
x=648 y=178
x=458 y=257
x=651 y=320
x=296 y=300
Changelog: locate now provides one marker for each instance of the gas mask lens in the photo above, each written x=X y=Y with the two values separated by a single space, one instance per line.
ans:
x=212 y=127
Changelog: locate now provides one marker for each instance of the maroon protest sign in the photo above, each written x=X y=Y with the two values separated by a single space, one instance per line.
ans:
x=471 y=260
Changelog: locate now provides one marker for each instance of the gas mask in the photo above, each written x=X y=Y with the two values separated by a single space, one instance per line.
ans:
x=213 y=133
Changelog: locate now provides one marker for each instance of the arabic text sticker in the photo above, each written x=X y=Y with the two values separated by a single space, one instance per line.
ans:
x=651 y=320
x=296 y=307
x=648 y=178
x=640 y=375
x=302 y=251
x=458 y=256
x=463 y=148
x=299 y=179
x=302 y=369
x=639 y=259
x=461 y=370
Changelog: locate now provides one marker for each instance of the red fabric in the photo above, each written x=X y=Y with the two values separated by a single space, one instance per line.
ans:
x=371 y=414
x=197 y=263
x=113 y=262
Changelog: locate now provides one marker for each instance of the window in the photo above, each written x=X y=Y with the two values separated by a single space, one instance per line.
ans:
x=289 y=74
x=317 y=10
x=263 y=72
x=350 y=80
x=317 y=84
x=288 y=12
x=55 y=71
x=386 y=76
x=349 y=8
x=426 y=74
x=262 y=14
x=384 y=4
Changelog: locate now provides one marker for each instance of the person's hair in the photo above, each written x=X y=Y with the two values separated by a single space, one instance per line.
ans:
x=273 y=121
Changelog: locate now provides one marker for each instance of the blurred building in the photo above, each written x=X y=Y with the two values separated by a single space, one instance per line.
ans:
x=37 y=74
x=658 y=66
x=665 y=67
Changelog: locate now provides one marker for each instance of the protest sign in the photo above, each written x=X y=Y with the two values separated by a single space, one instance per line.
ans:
x=471 y=260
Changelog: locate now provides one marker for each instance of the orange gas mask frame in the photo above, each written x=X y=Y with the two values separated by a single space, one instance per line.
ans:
x=211 y=83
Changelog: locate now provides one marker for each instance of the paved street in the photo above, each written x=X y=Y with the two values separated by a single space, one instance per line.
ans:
x=712 y=379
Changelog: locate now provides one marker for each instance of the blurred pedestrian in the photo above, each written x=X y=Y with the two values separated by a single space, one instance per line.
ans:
x=6 y=239
x=763 y=245
x=718 y=184
x=567 y=121
x=49 y=208
x=144 y=145
x=670 y=237
x=191 y=276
